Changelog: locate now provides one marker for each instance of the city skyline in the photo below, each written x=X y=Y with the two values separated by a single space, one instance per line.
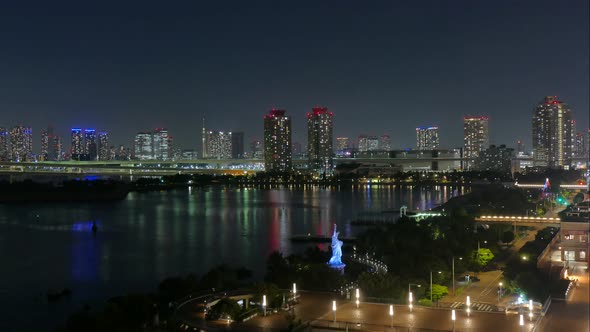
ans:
x=160 y=75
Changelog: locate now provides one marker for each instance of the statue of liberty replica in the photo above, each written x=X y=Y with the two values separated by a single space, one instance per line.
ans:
x=336 y=260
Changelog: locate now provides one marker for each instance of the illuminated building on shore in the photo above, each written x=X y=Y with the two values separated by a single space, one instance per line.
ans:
x=104 y=151
x=553 y=134
x=277 y=141
x=21 y=144
x=476 y=138
x=580 y=145
x=256 y=151
x=219 y=145
x=237 y=145
x=4 y=144
x=162 y=144
x=343 y=148
x=77 y=144
x=427 y=138
x=143 y=146
x=90 y=149
x=319 y=140
x=368 y=143
x=385 y=143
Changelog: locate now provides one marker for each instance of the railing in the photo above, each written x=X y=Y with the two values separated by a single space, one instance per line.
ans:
x=356 y=326
x=540 y=220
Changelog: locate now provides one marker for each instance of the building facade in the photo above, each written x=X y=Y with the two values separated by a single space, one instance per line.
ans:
x=343 y=148
x=162 y=144
x=427 y=138
x=277 y=141
x=143 y=146
x=104 y=150
x=385 y=143
x=553 y=137
x=4 y=144
x=256 y=151
x=476 y=138
x=368 y=143
x=219 y=145
x=90 y=148
x=21 y=144
x=320 y=141
x=77 y=144
x=237 y=145
x=495 y=158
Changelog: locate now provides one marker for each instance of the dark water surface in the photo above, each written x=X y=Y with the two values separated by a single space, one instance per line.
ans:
x=150 y=236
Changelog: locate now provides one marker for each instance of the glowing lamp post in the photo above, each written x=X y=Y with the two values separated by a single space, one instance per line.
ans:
x=531 y=310
x=453 y=318
x=468 y=302
x=410 y=295
x=500 y=291
x=294 y=292
x=521 y=322
x=334 y=310
x=357 y=298
x=391 y=313
x=264 y=304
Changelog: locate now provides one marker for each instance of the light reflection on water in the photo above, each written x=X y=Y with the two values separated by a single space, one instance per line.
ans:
x=150 y=236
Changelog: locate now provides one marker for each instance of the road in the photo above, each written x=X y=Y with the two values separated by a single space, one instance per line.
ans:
x=573 y=314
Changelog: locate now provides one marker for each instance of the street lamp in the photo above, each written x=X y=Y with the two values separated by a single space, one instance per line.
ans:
x=531 y=310
x=439 y=272
x=264 y=304
x=453 y=317
x=410 y=297
x=391 y=313
x=294 y=292
x=500 y=291
x=468 y=302
x=521 y=322
x=334 y=309
x=357 y=298
x=460 y=258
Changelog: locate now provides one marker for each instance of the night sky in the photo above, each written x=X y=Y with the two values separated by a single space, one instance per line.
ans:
x=382 y=67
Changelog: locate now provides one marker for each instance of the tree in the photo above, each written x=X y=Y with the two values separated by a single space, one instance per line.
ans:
x=507 y=236
x=578 y=198
x=482 y=257
x=224 y=309
x=438 y=292
x=379 y=285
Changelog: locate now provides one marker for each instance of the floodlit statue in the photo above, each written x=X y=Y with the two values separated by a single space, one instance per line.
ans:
x=336 y=260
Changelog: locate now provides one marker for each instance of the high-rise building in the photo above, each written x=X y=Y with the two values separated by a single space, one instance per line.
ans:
x=162 y=144
x=580 y=145
x=520 y=148
x=277 y=141
x=123 y=153
x=90 y=149
x=219 y=145
x=4 y=144
x=297 y=151
x=256 y=151
x=21 y=144
x=45 y=145
x=54 y=149
x=553 y=130
x=237 y=145
x=104 y=151
x=77 y=144
x=320 y=141
x=143 y=146
x=343 y=148
x=495 y=158
x=385 y=143
x=204 y=140
x=427 y=138
x=189 y=154
x=476 y=138
x=368 y=143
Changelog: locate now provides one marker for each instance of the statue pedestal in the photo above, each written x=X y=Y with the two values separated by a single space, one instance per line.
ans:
x=339 y=267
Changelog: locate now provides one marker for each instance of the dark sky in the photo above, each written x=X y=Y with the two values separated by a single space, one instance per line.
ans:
x=380 y=66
